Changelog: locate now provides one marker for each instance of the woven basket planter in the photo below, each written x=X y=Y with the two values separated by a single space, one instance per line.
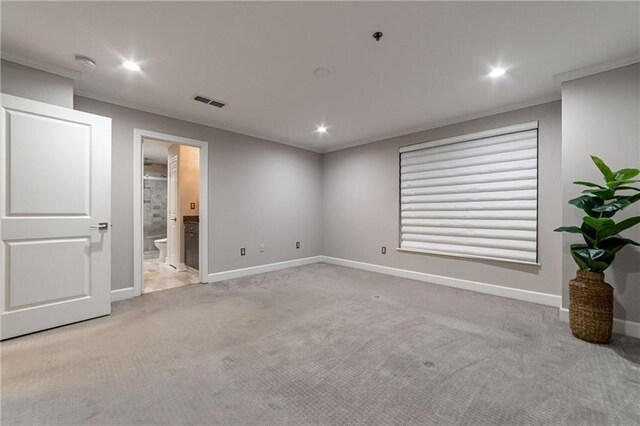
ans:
x=591 y=307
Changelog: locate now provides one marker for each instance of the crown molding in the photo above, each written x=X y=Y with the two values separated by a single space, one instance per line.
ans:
x=74 y=75
x=594 y=69
x=184 y=117
x=452 y=121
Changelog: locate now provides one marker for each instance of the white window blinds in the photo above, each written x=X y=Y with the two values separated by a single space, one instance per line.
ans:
x=473 y=195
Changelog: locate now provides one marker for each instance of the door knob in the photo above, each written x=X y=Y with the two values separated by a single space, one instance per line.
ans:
x=174 y=219
x=102 y=226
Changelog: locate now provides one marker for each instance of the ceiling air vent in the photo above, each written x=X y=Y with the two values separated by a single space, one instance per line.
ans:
x=209 y=101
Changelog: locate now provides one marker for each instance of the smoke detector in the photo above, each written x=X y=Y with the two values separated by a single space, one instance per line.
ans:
x=209 y=101
x=322 y=72
x=85 y=61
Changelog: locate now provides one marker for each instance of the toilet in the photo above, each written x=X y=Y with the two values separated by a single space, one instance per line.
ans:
x=161 y=244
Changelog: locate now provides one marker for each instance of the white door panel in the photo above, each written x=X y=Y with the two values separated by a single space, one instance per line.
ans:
x=45 y=271
x=173 y=236
x=54 y=190
x=37 y=185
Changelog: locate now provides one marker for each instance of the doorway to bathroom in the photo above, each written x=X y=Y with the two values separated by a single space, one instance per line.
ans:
x=170 y=221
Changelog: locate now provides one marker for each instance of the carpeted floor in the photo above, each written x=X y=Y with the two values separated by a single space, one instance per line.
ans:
x=319 y=344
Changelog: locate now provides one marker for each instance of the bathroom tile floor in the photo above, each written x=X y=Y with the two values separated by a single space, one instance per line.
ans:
x=159 y=276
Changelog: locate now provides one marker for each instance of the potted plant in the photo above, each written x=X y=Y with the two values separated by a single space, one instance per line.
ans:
x=590 y=297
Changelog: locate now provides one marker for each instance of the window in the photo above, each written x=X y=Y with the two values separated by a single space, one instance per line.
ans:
x=473 y=195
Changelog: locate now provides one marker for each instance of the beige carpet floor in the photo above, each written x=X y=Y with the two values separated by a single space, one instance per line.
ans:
x=319 y=344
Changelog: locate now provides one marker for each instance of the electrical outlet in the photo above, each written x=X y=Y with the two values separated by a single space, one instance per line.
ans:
x=298 y=245
x=261 y=248
x=243 y=251
x=384 y=250
x=193 y=206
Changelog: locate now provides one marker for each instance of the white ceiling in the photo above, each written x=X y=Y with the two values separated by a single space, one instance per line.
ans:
x=429 y=68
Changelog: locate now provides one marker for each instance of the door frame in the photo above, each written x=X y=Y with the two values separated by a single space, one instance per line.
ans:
x=138 y=203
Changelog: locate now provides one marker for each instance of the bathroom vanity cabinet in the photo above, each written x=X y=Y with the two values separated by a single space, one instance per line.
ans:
x=191 y=243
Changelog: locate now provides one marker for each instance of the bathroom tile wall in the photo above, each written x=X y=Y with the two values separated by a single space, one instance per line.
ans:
x=155 y=205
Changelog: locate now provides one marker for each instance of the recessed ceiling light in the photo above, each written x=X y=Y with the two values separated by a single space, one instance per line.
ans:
x=321 y=129
x=85 y=61
x=131 y=66
x=497 y=72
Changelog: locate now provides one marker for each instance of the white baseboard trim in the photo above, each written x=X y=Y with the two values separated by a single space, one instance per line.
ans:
x=244 y=272
x=563 y=314
x=121 y=294
x=492 y=289
x=627 y=328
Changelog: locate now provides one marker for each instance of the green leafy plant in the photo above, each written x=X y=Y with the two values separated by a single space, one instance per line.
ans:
x=600 y=203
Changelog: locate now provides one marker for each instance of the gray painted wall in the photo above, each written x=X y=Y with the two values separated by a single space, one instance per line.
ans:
x=31 y=83
x=260 y=192
x=601 y=116
x=361 y=199
x=345 y=203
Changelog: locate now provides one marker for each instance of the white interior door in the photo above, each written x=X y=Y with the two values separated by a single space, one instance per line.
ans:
x=173 y=236
x=55 y=182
